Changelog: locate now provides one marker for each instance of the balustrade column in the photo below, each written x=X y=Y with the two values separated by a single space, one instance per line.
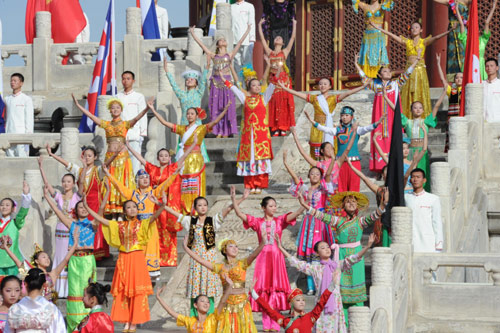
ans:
x=223 y=24
x=41 y=51
x=458 y=154
x=132 y=49
x=70 y=144
x=359 y=319
x=34 y=230
x=401 y=225
x=381 y=291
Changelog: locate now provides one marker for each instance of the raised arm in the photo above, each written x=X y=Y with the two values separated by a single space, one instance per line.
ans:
x=86 y=112
x=124 y=190
x=259 y=248
x=105 y=199
x=3 y=245
x=429 y=41
x=348 y=93
x=460 y=20
x=388 y=101
x=440 y=71
x=490 y=16
x=435 y=109
x=379 y=149
x=162 y=120
x=44 y=177
x=96 y=216
x=164 y=304
x=200 y=43
x=242 y=39
x=195 y=256
x=308 y=158
x=230 y=207
x=225 y=295
x=373 y=187
x=288 y=48
x=54 y=156
x=371 y=240
x=267 y=49
x=294 y=215
x=280 y=247
x=293 y=92
x=220 y=116
x=149 y=105
x=295 y=179
x=63 y=218
x=388 y=33
x=236 y=205
x=57 y=271
x=161 y=206
x=136 y=154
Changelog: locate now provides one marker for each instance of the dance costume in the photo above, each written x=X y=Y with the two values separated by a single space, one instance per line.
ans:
x=192 y=324
x=97 y=321
x=456 y=50
x=167 y=223
x=81 y=271
x=255 y=149
x=131 y=282
x=281 y=105
x=324 y=110
x=35 y=315
x=273 y=285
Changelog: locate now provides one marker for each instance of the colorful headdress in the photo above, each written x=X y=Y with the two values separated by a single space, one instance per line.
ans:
x=406 y=139
x=112 y=101
x=191 y=74
x=347 y=110
x=224 y=243
x=338 y=199
x=296 y=292
x=202 y=114
x=139 y=173
x=38 y=250
x=248 y=73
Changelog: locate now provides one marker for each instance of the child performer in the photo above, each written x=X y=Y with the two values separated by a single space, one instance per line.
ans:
x=131 y=282
x=201 y=230
x=167 y=223
x=349 y=230
x=237 y=314
x=281 y=105
x=89 y=184
x=255 y=150
x=413 y=128
x=10 y=288
x=347 y=180
x=82 y=267
x=11 y=227
x=220 y=98
x=191 y=97
x=66 y=202
x=34 y=313
x=417 y=89
x=116 y=133
x=383 y=84
x=193 y=174
x=324 y=109
x=323 y=272
x=97 y=320
x=203 y=321
x=273 y=279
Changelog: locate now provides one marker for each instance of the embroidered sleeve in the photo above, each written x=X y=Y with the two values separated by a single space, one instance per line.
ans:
x=404 y=76
x=178 y=92
x=275 y=315
x=294 y=189
x=366 y=221
x=326 y=218
x=348 y=262
x=104 y=124
x=316 y=312
x=302 y=266
x=203 y=82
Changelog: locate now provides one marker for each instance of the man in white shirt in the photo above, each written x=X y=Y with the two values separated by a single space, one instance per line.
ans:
x=492 y=92
x=19 y=115
x=243 y=14
x=133 y=104
x=426 y=207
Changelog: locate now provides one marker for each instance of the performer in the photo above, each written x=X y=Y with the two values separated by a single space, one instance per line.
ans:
x=167 y=224
x=324 y=109
x=10 y=227
x=203 y=321
x=191 y=97
x=220 y=98
x=97 y=320
x=131 y=282
x=82 y=267
x=281 y=105
x=237 y=314
x=373 y=52
x=383 y=84
x=417 y=88
x=413 y=128
x=202 y=228
x=323 y=272
x=116 y=133
x=349 y=231
x=89 y=184
x=255 y=150
x=10 y=287
x=273 y=281
x=347 y=180
x=66 y=202
x=193 y=174
x=34 y=312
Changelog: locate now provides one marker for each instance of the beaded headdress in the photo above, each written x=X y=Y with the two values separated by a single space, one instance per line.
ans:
x=112 y=101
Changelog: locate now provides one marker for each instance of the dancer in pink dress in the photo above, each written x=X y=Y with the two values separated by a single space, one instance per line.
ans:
x=272 y=284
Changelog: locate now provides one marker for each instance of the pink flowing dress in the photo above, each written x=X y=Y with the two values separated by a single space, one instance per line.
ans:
x=273 y=284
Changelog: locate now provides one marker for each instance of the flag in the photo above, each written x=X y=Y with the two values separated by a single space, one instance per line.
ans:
x=103 y=78
x=67 y=19
x=395 y=175
x=2 y=104
x=472 y=74
x=150 y=29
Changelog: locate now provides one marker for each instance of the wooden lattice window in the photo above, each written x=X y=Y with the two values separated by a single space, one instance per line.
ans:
x=354 y=26
x=493 y=47
x=321 y=46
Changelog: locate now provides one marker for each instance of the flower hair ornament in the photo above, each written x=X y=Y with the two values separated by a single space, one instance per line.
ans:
x=38 y=250
x=202 y=114
x=224 y=243
x=112 y=101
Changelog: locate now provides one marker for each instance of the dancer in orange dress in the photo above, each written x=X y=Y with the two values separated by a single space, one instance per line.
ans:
x=281 y=105
x=131 y=282
x=167 y=224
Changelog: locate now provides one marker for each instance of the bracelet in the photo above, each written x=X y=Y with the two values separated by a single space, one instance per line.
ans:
x=316 y=124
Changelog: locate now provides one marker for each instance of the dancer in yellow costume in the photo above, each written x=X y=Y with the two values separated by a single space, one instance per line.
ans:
x=417 y=87
x=116 y=133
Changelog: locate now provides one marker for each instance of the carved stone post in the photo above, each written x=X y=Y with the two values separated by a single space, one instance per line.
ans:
x=479 y=147
x=381 y=289
x=70 y=145
x=458 y=154
x=401 y=225
x=359 y=319
x=132 y=44
x=223 y=24
x=33 y=231
x=440 y=184
x=41 y=51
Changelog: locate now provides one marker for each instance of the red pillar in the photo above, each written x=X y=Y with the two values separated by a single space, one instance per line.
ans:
x=258 y=51
x=437 y=23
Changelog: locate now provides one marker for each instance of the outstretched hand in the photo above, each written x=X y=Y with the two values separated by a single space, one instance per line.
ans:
x=371 y=239
x=26 y=188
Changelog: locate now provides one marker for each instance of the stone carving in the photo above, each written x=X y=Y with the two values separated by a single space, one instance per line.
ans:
x=134 y=21
x=382 y=266
x=458 y=133
x=474 y=99
x=401 y=225
x=440 y=181
x=193 y=48
x=223 y=12
x=359 y=319
x=43 y=25
x=70 y=145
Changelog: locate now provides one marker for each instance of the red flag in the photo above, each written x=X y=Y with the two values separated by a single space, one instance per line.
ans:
x=472 y=74
x=67 y=19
